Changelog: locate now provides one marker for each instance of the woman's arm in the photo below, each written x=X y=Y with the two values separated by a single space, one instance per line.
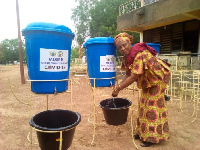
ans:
x=127 y=81
x=124 y=78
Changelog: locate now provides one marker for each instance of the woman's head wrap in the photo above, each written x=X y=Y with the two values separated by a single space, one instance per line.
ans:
x=124 y=37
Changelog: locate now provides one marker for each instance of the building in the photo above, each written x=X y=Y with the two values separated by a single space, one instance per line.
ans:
x=175 y=24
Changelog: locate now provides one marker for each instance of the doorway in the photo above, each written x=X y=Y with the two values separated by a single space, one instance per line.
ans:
x=190 y=41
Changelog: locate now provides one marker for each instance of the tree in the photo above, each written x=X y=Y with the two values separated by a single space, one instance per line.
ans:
x=81 y=18
x=104 y=18
x=9 y=51
x=97 y=18
x=75 y=53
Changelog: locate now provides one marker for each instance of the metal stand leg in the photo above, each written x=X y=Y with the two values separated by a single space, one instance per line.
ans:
x=60 y=145
x=30 y=116
x=94 y=113
x=47 y=102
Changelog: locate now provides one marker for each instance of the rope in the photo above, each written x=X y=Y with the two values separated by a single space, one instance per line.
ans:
x=15 y=95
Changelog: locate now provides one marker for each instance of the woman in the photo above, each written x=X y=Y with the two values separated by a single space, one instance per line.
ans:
x=152 y=76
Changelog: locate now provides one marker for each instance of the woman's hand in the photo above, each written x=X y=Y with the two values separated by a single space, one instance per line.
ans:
x=116 y=90
x=126 y=82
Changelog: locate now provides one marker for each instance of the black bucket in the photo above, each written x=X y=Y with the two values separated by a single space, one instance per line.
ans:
x=115 y=110
x=55 y=120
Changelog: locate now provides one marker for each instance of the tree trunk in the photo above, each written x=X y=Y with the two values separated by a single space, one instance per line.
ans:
x=79 y=51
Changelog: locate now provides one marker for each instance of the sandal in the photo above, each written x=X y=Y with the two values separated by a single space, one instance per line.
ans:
x=167 y=98
x=146 y=144
x=136 y=137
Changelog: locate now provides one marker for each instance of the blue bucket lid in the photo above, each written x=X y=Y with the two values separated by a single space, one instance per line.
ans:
x=153 y=44
x=98 y=40
x=44 y=26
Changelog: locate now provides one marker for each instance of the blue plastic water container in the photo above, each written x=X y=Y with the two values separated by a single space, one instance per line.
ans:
x=48 y=50
x=155 y=46
x=101 y=61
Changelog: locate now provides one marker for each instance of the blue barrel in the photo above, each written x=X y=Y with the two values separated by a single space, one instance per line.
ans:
x=155 y=46
x=48 y=50
x=101 y=61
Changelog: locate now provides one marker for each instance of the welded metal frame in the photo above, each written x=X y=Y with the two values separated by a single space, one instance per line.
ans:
x=95 y=113
x=29 y=137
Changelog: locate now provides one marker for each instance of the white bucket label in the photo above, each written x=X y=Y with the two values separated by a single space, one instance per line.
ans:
x=53 y=60
x=108 y=63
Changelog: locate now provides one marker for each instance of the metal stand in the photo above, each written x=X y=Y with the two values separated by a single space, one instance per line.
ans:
x=47 y=101
x=95 y=113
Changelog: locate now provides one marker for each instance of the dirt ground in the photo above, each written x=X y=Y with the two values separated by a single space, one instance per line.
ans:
x=14 y=117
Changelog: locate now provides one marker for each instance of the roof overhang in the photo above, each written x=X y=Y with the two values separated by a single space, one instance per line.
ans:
x=161 y=13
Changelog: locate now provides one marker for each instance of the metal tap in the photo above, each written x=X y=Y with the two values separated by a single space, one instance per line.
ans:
x=55 y=91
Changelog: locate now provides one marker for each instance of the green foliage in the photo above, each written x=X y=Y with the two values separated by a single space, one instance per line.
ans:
x=97 y=18
x=9 y=51
x=81 y=18
x=75 y=53
x=104 y=18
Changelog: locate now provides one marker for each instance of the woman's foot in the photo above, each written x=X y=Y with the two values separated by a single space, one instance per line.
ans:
x=146 y=144
x=136 y=137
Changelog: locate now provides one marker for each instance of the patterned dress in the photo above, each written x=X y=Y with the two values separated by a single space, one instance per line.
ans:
x=154 y=75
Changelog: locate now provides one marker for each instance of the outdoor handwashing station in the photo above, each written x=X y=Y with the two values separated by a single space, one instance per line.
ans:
x=48 y=49
x=101 y=66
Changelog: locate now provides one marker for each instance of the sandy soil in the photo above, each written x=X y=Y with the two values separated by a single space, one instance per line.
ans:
x=14 y=117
